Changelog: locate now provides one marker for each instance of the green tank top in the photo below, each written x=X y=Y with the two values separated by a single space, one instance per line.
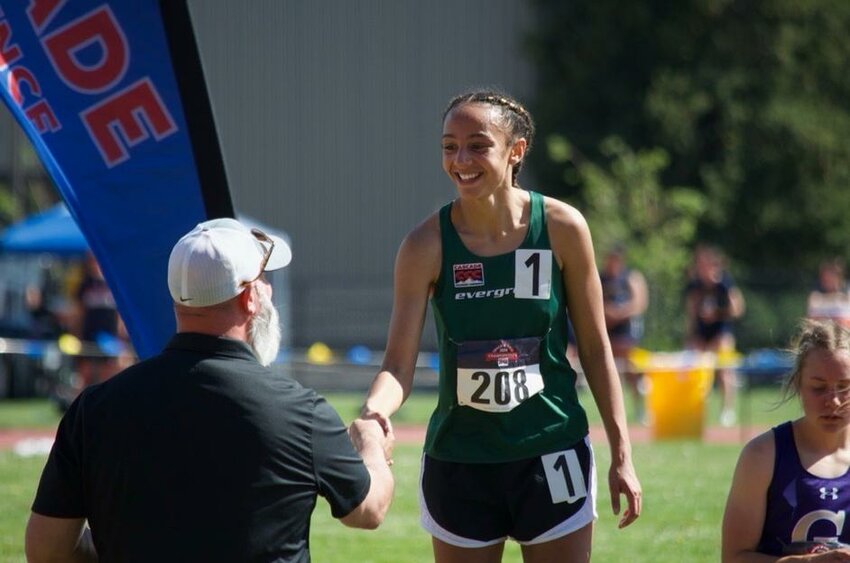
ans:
x=506 y=389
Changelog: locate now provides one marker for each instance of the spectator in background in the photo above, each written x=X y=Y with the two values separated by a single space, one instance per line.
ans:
x=830 y=299
x=44 y=324
x=625 y=299
x=98 y=323
x=712 y=303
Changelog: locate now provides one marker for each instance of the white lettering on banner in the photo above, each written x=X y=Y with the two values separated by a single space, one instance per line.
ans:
x=564 y=476
x=498 y=390
x=801 y=529
x=532 y=273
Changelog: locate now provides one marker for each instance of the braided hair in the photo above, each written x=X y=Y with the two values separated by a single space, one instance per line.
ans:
x=812 y=335
x=515 y=118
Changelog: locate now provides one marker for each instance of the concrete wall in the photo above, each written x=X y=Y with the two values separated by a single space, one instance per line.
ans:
x=329 y=117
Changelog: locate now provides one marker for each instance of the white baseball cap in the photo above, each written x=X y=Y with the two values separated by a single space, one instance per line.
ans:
x=214 y=261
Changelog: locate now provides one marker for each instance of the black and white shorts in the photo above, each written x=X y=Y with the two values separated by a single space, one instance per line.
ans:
x=533 y=500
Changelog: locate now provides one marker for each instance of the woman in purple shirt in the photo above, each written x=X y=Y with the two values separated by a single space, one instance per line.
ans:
x=790 y=495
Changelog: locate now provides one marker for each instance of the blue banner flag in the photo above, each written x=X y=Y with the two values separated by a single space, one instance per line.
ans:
x=112 y=96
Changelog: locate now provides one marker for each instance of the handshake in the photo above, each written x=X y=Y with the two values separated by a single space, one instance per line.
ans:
x=373 y=438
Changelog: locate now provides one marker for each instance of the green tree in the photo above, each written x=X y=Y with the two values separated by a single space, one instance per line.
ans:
x=748 y=99
x=8 y=205
x=625 y=200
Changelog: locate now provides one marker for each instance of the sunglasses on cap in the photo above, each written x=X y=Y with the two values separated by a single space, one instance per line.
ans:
x=263 y=238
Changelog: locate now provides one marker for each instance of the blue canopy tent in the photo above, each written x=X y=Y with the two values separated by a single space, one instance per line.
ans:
x=55 y=232
x=52 y=231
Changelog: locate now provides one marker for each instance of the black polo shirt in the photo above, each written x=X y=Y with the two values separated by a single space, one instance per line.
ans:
x=200 y=454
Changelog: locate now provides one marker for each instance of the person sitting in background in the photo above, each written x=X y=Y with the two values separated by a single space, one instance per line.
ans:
x=791 y=488
x=712 y=303
x=830 y=299
x=625 y=299
x=204 y=452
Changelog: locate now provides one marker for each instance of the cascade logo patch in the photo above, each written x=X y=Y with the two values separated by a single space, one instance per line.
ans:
x=469 y=275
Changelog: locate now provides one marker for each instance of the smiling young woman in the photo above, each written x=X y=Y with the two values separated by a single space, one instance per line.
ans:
x=791 y=489
x=507 y=452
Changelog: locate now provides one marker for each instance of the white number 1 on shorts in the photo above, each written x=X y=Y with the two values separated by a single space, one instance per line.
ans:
x=564 y=476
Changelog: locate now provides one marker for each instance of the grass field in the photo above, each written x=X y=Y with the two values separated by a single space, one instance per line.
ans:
x=758 y=407
x=685 y=485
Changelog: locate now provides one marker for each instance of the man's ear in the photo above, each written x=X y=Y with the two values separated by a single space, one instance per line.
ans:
x=249 y=301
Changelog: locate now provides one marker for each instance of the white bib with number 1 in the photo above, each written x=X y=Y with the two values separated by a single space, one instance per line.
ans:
x=532 y=273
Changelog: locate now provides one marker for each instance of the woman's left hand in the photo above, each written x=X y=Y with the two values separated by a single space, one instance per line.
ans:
x=622 y=480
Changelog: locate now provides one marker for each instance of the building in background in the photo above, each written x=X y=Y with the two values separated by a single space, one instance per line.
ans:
x=329 y=119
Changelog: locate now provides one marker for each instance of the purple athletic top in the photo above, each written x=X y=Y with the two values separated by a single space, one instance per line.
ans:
x=801 y=506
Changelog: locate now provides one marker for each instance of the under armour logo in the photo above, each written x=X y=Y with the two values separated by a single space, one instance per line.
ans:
x=831 y=493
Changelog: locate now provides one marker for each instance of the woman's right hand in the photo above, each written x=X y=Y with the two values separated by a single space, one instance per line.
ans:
x=369 y=414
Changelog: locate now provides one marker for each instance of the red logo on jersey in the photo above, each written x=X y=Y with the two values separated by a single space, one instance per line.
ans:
x=469 y=275
x=503 y=354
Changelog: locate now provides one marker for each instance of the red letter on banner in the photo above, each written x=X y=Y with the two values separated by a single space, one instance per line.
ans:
x=42 y=117
x=120 y=117
x=8 y=53
x=99 y=27
x=21 y=75
x=42 y=11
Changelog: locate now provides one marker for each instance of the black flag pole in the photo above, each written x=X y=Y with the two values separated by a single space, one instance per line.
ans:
x=186 y=61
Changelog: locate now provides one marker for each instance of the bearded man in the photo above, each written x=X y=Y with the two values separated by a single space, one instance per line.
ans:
x=205 y=452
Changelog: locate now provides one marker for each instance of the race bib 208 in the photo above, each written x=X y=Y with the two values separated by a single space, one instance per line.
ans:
x=498 y=375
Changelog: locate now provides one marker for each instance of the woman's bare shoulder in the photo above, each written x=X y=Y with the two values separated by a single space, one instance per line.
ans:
x=759 y=453
x=561 y=212
x=425 y=235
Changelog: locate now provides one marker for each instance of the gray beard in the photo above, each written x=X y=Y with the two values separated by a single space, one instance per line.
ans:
x=264 y=331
